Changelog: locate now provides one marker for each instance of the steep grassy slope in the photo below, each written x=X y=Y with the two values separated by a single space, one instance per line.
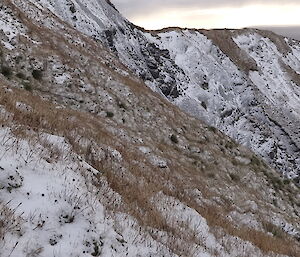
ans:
x=244 y=82
x=132 y=174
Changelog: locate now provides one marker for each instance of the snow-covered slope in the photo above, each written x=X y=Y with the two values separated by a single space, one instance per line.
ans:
x=245 y=83
x=258 y=107
x=86 y=148
x=48 y=209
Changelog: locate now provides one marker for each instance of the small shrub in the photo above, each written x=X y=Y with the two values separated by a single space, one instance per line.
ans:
x=174 y=139
x=212 y=129
x=37 y=74
x=27 y=86
x=21 y=75
x=109 y=114
x=6 y=71
x=234 y=177
x=72 y=9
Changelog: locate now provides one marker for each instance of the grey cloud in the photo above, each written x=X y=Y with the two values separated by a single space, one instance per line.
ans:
x=138 y=7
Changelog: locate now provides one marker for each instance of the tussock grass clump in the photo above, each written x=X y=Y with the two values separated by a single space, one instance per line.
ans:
x=109 y=114
x=37 y=74
x=27 y=86
x=21 y=75
x=9 y=221
x=6 y=71
x=174 y=139
x=274 y=230
x=234 y=177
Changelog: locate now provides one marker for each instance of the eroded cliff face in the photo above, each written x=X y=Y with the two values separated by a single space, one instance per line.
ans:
x=95 y=163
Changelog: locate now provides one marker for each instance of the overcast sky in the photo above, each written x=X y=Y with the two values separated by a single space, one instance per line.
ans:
x=156 y=14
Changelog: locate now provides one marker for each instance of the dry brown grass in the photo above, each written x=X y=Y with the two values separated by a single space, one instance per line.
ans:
x=223 y=39
x=214 y=216
x=260 y=239
x=294 y=76
x=135 y=178
x=9 y=221
x=278 y=40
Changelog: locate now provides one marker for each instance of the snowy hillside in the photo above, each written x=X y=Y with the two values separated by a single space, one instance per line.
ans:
x=94 y=163
x=48 y=209
x=245 y=83
x=259 y=108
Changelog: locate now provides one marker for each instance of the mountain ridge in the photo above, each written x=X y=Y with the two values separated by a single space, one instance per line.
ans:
x=150 y=55
x=95 y=163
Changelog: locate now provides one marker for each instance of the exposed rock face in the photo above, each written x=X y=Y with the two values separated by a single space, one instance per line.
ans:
x=244 y=82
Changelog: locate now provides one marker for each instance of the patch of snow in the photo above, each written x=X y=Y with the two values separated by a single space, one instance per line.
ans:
x=59 y=214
